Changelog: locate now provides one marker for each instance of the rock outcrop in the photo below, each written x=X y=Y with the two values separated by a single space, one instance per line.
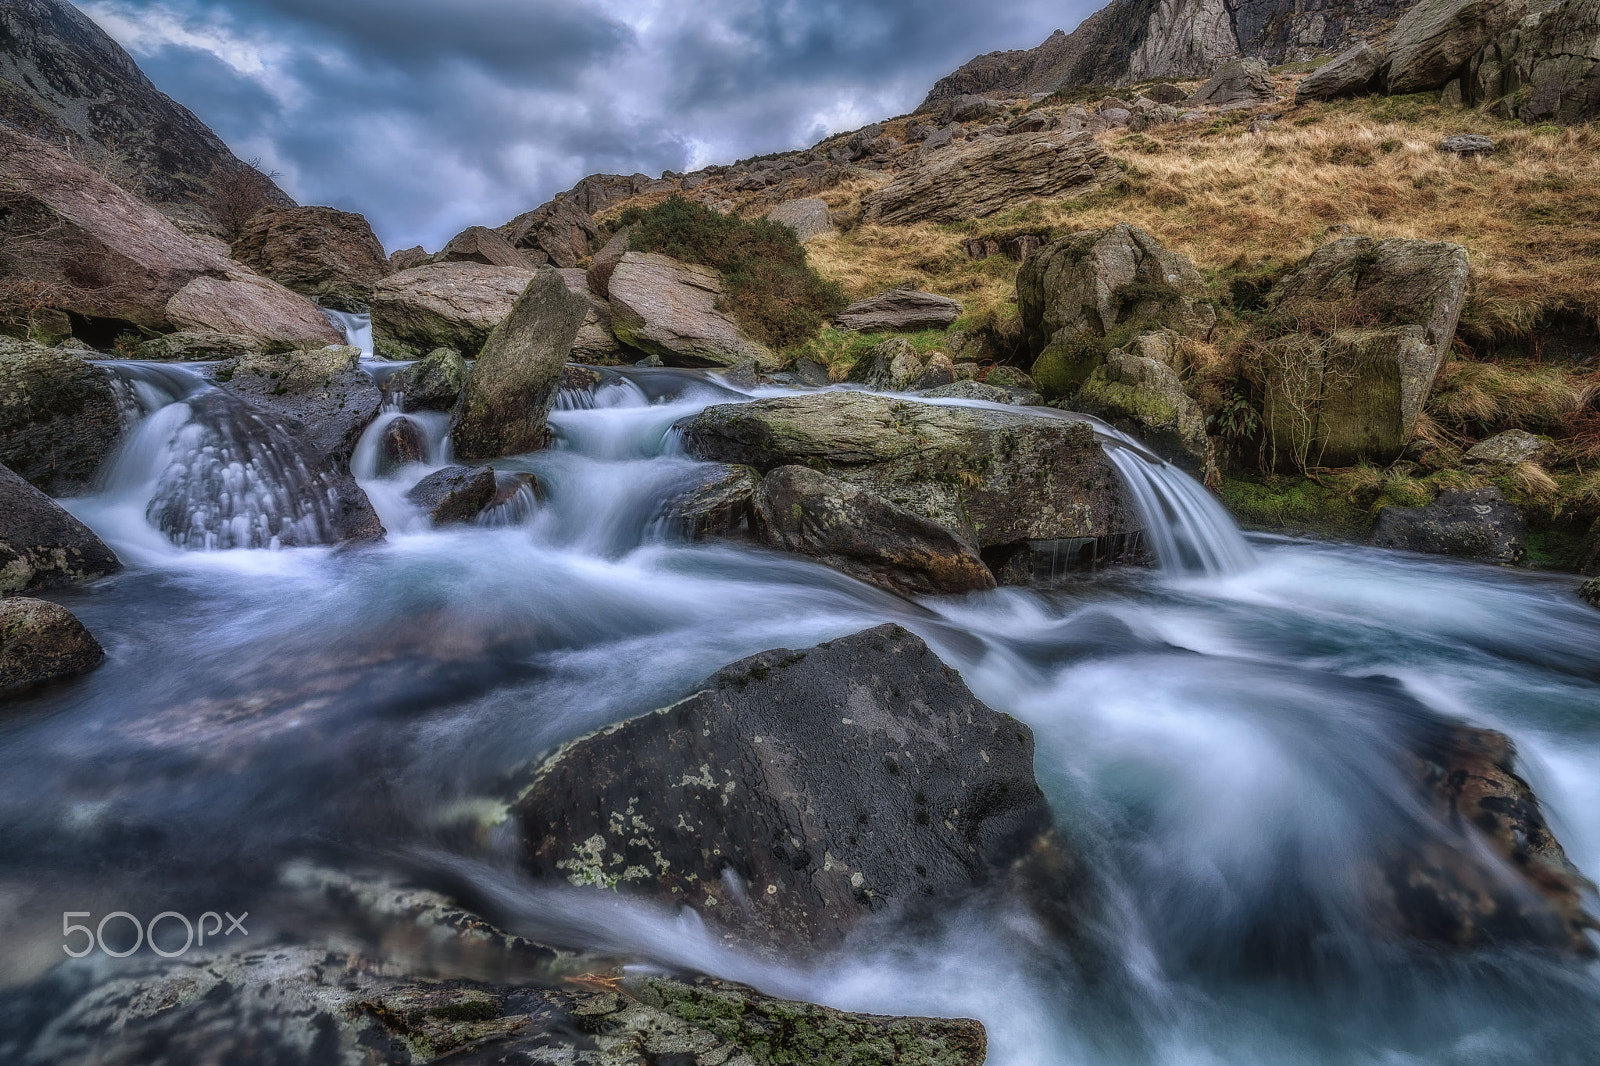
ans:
x=69 y=83
x=40 y=641
x=795 y=794
x=330 y=255
x=560 y=232
x=854 y=530
x=808 y=218
x=669 y=309
x=102 y=254
x=1370 y=322
x=454 y=494
x=991 y=477
x=1544 y=69
x=513 y=384
x=1433 y=41
x=443 y=305
x=993 y=174
x=899 y=311
x=59 y=423
x=479 y=244
x=42 y=545
x=1351 y=73
x=1472 y=524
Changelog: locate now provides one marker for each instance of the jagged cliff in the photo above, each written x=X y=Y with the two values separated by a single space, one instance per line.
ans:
x=1132 y=40
x=64 y=81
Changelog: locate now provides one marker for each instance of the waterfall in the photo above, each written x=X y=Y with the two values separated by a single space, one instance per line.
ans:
x=357 y=329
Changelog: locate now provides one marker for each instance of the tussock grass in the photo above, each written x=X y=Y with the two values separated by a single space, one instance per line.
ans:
x=1478 y=399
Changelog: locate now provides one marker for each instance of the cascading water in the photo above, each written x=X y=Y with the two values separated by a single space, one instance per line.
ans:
x=1222 y=754
x=357 y=328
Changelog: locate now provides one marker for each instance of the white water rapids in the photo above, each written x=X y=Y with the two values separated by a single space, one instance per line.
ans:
x=1214 y=737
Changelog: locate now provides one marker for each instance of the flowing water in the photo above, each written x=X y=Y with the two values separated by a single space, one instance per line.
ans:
x=1215 y=736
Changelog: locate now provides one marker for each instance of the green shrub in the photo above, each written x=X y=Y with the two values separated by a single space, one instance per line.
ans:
x=771 y=291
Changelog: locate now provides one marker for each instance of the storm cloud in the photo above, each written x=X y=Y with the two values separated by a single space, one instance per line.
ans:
x=431 y=115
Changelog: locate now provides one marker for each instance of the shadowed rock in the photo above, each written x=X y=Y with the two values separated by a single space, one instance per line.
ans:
x=40 y=640
x=321 y=252
x=1546 y=68
x=59 y=422
x=1473 y=524
x=41 y=544
x=1351 y=73
x=1433 y=41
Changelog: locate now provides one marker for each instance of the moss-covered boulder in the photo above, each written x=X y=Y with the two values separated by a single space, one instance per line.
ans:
x=58 y=417
x=1145 y=398
x=433 y=383
x=40 y=640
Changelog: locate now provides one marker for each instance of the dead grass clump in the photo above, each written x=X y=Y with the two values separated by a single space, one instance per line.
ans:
x=1532 y=480
x=1478 y=399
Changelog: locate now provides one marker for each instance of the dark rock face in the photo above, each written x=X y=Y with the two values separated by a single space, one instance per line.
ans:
x=40 y=640
x=990 y=477
x=1475 y=524
x=718 y=504
x=318 y=251
x=513 y=384
x=58 y=417
x=900 y=311
x=403 y=442
x=796 y=794
x=433 y=383
x=1433 y=41
x=71 y=83
x=853 y=530
x=1445 y=892
x=454 y=494
x=41 y=544
x=605 y=263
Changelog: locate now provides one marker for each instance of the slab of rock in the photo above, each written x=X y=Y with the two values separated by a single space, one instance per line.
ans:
x=669 y=309
x=1434 y=39
x=41 y=544
x=1353 y=72
x=990 y=477
x=443 y=305
x=970 y=108
x=479 y=244
x=1236 y=81
x=605 y=262
x=900 y=311
x=59 y=422
x=201 y=346
x=513 y=383
x=1510 y=448
x=1546 y=68
x=981 y=178
x=808 y=218
x=433 y=383
x=1467 y=144
x=855 y=531
x=1091 y=283
x=40 y=640
x=795 y=794
x=105 y=254
x=1144 y=397
x=321 y=252
x=1473 y=524
x=454 y=494
x=595 y=343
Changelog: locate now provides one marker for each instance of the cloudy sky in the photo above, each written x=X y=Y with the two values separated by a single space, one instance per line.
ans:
x=432 y=115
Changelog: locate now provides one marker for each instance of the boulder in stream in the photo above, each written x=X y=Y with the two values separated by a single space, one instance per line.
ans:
x=59 y=422
x=795 y=794
x=443 y=305
x=1473 y=524
x=454 y=494
x=41 y=544
x=513 y=384
x=433 y=383
x=40 y=640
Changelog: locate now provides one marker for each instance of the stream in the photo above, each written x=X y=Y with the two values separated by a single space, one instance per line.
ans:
x=1214 y=734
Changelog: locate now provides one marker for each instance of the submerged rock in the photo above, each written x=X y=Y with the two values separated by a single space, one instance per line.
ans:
x=59 y=422
x=990 y=477
x=40 y=640
x=454 y=494
x=1474 y=524
x=795 y=795
x=717 y=504
x=857 y=532
x=41 y=544
x=513 y=384
x=403 y=442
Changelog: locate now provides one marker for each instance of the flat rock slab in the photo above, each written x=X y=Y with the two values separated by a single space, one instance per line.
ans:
x=669 y=309
x=795 y=795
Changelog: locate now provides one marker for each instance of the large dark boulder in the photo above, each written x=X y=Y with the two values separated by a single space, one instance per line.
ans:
x=513 y=384
x=795 y=795
x=854 y=530
x=1472 y=524
x=322 y=390
x=322 y=252
x=40 y=640
x=58 y=417
x=41 y=544
x=1433 y=41
x=990 y=477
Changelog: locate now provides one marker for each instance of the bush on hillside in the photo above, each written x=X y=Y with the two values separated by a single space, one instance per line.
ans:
x=772 y=292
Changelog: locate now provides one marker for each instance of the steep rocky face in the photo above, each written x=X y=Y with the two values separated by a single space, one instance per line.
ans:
x=323 y=252
x=1131 y=40
x=1546 y=68
x=63 y=80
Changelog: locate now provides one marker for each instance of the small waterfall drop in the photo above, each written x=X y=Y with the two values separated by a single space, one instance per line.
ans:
x=357 y=328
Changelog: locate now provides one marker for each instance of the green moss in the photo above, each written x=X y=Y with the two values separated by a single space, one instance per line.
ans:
x=1295 y=505
x=1065 y=365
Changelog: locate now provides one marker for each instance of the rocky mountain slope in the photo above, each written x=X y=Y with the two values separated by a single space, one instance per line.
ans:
x=65 y=82
x=1132 y=40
